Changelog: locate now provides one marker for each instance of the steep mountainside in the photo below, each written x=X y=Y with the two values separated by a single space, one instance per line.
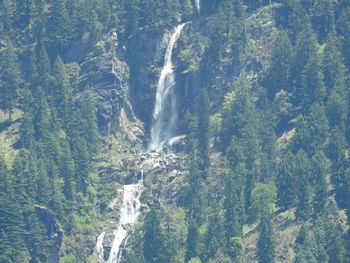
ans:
x=174 y=131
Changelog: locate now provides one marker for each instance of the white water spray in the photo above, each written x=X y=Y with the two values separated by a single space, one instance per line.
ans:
x=198 y=5
x=165 y=112
x=129 y=212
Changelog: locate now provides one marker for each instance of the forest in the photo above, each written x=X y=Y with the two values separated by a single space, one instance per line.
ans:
x=225 y=122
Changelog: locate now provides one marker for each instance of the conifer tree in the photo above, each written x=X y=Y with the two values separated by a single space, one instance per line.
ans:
x=67 y=169
x=192 y=240
x=23 y=12
x=9 y=79
x=58 y=28
x=153 y=246
x=203 y=131
x=62 y=94
x=88 y=115
x=27 y=129
x=266 y=246
x=304 y=205
x=214 y=238
x=320 y=168
x=233 y=202
x=42 y=114
x=278 y=74
x=43 y=69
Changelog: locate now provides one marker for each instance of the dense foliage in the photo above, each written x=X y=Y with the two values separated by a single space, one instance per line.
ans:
x=279 y=144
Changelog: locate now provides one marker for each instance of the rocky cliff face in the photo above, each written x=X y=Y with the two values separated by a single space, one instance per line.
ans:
x=108 y=74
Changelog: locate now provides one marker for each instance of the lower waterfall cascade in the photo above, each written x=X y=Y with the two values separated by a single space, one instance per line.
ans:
x=129 y=213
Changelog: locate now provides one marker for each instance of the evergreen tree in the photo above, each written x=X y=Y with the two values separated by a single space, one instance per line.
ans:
x=192 y=240
x=59 y=28
x=304 y=205
x=266 y=246
x=203 y=131
x=337 y=154
x=11 y=218
x=233 y=203
x=23 y=12
x=320 y=168
x=27 y=129
x=305 y=49
x=278 y=74
x=9 y=79
x=333 y=67
x=67 y=169
x=312 y=87
x=42 y=114
x=214 y=239
x=153 y=245
x=286 y=182
x=36 y=241
x=43 y=69
x=62 y=94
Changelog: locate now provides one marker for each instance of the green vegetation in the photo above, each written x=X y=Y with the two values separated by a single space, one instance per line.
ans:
x=267 y=124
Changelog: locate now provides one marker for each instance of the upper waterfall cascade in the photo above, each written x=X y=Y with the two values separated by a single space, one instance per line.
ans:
x=165 y=110
x=198 y=5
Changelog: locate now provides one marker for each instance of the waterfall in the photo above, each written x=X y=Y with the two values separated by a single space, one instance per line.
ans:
x=198 y=5
x=99 y=245
x=129 y=212
x=165 y=112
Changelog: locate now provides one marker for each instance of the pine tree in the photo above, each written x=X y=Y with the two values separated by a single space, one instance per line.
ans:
x=43 y=69
x=59 y=28
x=305 y=49
x=214 y=238
x=25 y=178
x=43 y=189
x=233 y=203
x=311 y=88
x=266 y=246
x=203 y=132
x=41 y=115
x=37 y=240
x=192 y=240
x=312 y=130
x=286 y=182
x=27 y=129
x=333 y=67
x=62 y=94
x=7 y=13
x=153 y=246
x=320 y=168
x=337 y=154
x=9 y=79
x=23 y=12
x=304 y=205
x=67 y=169
x=278 y=74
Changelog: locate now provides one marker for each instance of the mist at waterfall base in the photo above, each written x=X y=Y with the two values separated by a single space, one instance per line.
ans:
x=165 y=110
